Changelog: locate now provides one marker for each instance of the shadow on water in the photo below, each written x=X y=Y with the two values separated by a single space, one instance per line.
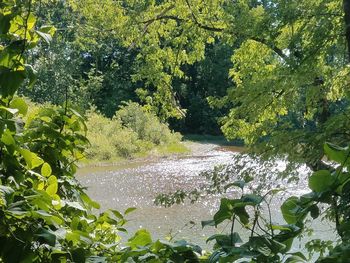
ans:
x=136 y=183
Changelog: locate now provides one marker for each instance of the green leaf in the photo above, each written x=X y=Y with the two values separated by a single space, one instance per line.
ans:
x=27 y=155
x=45 y=36
x=75 y=205
x=229 y=207
x=20 y=104
x=6 y=190
x=31 y=75
x=141 y=238
x=321 y=181
x=36 y=161
x=291 y=210
x=9 y=110
x=129 y=210
x=10 y=81
x=73 y=236
x=52 y=189
x=239 y=184
x=336 y=153
x=87 y=200
x=31 y=19
x=309 y=197
x=208 y=223
x=95 y=205
x=314 y=211
x=46 y=170
x=296 y=257
x=261 y=244
x=226 y=240
x=252 y=199
x=50 y=30
x=225 y=211
x=7 y=138
x=117 y=214
x=52 y=180
x=16 y=212
x=5 y=23
x=31 y=158
x=47 y=236
x=242 y=214
x=281 y=227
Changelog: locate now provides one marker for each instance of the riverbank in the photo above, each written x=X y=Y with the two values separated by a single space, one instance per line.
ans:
x=159 y=152
x=185 y=148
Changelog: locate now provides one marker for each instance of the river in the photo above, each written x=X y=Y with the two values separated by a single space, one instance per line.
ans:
x=136 y=183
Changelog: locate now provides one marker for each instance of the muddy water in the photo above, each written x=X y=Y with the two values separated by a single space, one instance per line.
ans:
x=136 y=183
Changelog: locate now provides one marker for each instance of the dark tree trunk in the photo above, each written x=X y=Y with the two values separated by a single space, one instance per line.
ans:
x=346 y=6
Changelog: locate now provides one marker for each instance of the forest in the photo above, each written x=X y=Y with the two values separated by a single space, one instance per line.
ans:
x=86 y=82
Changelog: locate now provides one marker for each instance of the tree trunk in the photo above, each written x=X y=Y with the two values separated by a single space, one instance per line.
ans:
x=346 y=7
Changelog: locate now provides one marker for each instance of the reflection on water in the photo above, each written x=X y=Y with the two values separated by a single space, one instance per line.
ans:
x=137 y=184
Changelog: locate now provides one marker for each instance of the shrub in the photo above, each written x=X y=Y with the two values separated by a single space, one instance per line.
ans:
x=130 y=132
x=145 y=124
x=126 y=143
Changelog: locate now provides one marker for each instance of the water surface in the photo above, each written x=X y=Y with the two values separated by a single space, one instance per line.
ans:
x=136 y=183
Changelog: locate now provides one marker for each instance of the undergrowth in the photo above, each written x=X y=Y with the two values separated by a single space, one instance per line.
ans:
x=132 y=132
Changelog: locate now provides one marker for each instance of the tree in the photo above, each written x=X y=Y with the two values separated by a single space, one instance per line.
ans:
x=204 y=79
x=45 y=215
x=80 y=65
x=289 y=65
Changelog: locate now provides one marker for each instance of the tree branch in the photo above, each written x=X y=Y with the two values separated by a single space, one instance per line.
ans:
x=149 y=22
x=277 y=50
x=200 y=25
x=163 y=17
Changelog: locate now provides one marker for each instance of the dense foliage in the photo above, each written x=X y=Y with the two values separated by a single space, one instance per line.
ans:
x=132 y=132
x=288 y=66
x=274 y=71
x=101 y=69
x=45 y=215
x=290 y=71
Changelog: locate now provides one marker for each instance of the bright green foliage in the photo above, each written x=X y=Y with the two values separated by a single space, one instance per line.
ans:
x=45 y=216
x=289 y=65
x=164 y=36
x=287 y=79
x=145 y=124
x=101 y=67
x=131 y=132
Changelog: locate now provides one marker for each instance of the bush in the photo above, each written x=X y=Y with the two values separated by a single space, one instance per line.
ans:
x=126 y=143
x=131 y=132
x=145 y=124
